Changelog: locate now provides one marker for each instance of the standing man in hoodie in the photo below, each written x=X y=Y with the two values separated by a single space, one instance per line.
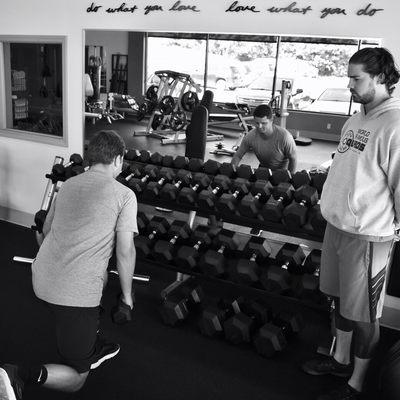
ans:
x=361 y=203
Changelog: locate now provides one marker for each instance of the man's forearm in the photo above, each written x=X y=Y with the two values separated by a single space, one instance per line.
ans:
x=126 y=263
x=292 y=165
x=235 y=160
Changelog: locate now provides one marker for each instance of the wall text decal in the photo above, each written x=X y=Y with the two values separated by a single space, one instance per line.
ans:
x=240 y=7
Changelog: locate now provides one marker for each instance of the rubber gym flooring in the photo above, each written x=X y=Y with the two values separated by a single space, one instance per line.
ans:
x=156 y=361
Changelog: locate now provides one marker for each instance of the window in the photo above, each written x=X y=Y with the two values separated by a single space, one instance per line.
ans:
x=250 y=68
x=33 y=84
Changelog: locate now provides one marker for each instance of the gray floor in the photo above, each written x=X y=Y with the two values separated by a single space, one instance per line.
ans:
x=308 y=156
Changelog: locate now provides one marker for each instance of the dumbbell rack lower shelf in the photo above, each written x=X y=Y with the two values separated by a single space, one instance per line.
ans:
x=245 y=290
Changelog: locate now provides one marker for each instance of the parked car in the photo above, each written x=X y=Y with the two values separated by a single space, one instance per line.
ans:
x=334 y=100
x=259 y=90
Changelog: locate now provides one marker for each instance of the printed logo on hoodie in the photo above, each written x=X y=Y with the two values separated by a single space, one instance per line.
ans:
x=356 y=142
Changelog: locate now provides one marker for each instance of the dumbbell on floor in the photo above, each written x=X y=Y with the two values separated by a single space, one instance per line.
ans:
x=241 y=326
x=215 y=313
x=177 y=306
x=273 y=336
x=164 y=251
x=213 y=262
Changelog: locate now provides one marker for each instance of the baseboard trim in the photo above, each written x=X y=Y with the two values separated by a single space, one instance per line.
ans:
x=16 y=217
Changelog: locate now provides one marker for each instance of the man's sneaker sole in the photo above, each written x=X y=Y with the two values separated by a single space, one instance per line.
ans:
x=6 y=390
x=316 y=373
x=101 y=360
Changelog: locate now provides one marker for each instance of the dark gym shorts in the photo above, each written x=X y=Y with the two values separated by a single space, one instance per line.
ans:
x=76 y=331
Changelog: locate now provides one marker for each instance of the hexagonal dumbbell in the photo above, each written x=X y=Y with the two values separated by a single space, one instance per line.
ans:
x=196 y=164
x=273 y=208
x=277 y=278
x=167 y=161
x=251 y=203
x=213 y=261
x=144 y=156
x=156 y=158
x=240 y=327
x=138 y=184
x=209 y=197
x=307 y=287
x=187 y=256
x=131 y=155
x=182 y=301
x=227 y=203
x=188 y=195
x=281 y=176
x=142 y=221
x=59 y=170
x=127 y=174
x=317 y=221
x=295 y=214
x=256 y=251
x=181 y=162
x=164 y=251
x=211 y=167
x=262 y=174
x=153 y=188
x=291 y=256
x=301 y=178
x=318 y=179
x=157 y=227
x=170 y=191
x=228 y=170
x=275 y=334
x=215 y=313
x=245 y=171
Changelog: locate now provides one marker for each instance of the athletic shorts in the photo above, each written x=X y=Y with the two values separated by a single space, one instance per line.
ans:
x=354 y=270
x=76 y=331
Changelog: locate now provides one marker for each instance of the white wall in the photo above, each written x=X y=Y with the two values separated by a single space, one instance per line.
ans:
x=24 y=163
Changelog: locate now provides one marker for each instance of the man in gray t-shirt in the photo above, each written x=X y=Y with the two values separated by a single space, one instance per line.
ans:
x=92 y=214
x=274 y=146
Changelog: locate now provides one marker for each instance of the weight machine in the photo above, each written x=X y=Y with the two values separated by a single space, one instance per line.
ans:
x=169 y=103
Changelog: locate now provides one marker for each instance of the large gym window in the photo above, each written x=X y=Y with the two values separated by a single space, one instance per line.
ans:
x=33 y=88
x=250 y=68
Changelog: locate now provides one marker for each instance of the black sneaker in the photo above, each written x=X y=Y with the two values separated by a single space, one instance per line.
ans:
x=11 y=385
x=345 y=392
x=105 y=352
x=327 y=366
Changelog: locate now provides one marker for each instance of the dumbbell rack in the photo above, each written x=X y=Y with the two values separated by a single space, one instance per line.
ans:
x=273 y=231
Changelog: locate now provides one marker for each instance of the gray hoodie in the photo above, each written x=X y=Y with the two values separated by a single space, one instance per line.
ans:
x=361 y=195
